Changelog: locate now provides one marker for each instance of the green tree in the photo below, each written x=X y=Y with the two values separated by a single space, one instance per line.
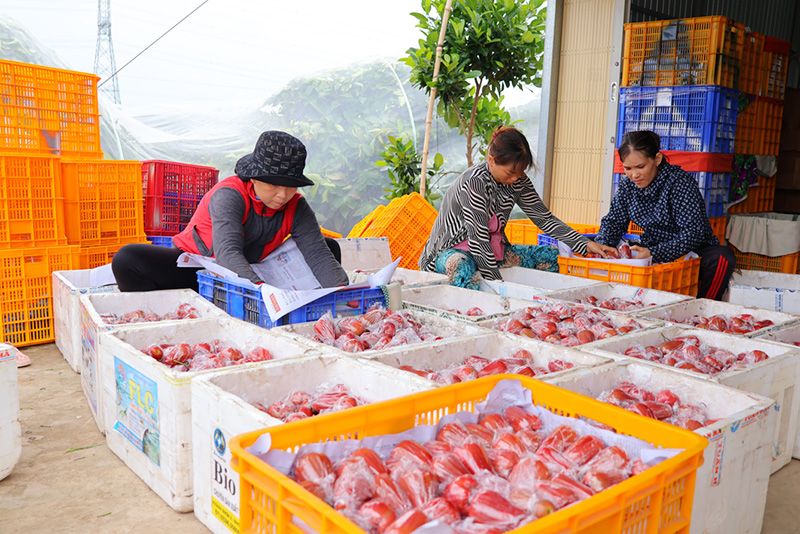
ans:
x=404 y=166
x=489 y=46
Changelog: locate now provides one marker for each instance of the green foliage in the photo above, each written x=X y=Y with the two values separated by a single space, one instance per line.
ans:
x=404 y=166
x=489 y=46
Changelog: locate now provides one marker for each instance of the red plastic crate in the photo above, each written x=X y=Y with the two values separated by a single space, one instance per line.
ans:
x=171 y=194
x=774 y=66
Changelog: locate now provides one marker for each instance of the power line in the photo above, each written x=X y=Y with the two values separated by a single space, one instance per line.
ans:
x=151 y=44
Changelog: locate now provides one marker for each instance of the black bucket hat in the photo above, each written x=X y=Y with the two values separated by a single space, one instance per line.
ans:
x=278 y=159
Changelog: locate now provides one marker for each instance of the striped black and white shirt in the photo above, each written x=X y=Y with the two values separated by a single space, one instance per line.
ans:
x=468 y=205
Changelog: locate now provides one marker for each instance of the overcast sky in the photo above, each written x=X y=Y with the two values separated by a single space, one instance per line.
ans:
x=228 y=50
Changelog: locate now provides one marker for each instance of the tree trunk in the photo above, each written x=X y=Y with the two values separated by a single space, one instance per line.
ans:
x=471 y=126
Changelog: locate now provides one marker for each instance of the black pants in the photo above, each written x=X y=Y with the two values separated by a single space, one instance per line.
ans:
x=143 y=267
x=716 y=267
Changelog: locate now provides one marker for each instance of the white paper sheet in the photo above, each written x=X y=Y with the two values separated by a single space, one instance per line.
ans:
x=102 y=276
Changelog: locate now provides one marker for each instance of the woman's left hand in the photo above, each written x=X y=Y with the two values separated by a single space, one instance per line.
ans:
x=597 y=248
x=642 y=252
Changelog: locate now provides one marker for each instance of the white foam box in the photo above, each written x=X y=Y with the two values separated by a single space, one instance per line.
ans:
x=147 y=405
x=682 y=311
x=302 y=332
x=221 y=409
x=10 y=431
x=651 y=298
x=91 y=324
x=730 y=491
x=771 y=291
x=68 y=286
x=405 y=277
x=774 y=377
x=532 y=284
x=365 y=253
x=447 y=354
x=447 y=301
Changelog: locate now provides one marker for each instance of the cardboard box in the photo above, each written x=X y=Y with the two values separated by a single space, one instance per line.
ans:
x=770 y=291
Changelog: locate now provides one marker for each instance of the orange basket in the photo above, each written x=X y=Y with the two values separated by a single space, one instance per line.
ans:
x=695 y=51
x=522 y=232
x=658 y=500
x=48 y=111
x=31 y=202
x=756 y=262
x=26 y=283
x=718 y=227
x=634 y=228
x=364 y=223
x=328 y=233
x=750 y=72
x=91 y=257
x=774 y=65
x=760 y=198
x=678 y=276
x=758 y=127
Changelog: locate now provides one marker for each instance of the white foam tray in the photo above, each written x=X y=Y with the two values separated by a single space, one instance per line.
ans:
x=771 y=291
x=441 y=300
x=651 y=298
x=531 y=284
x=10 y=430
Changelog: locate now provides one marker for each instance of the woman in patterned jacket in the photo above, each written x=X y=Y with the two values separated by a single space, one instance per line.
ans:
x=468 y=236
x=665 y=201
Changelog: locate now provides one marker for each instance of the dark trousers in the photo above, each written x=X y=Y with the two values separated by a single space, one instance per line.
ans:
x=716 y=267
x=143 y=267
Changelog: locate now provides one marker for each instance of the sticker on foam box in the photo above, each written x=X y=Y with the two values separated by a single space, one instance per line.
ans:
x=648 y=299
x=457 y=303
x=365 y=253
x=93 y=306
x=10 y=430
x=774 y=377
x=730 y=491
x=68 y=286
x=532 y=284
x=771 y=291
x=221 y=409
x=147 y=405
x=405 y=277
x=682 y=311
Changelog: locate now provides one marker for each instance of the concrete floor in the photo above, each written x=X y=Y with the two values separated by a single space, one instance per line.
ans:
x=91 y=490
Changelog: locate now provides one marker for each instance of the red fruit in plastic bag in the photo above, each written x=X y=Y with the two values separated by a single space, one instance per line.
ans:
x=407 y=523
x=465 y=372
x=660 y=410
x=583 y=450
x=625 y=251
x=525 y=371
x=558 y=495
x=258 y=354
x=455 y=433
x=558 y=365
x=641 y=409
x=560 y=438
x=300 y=398
x=635 y=391
x=353 y=487
x=619 y=398
x=377 y=514
x=600 y=480
x=420 y=485
x=177 y=354
x=325 y=328
x=155 y=351
x=350 y=325
x=373 y=461
x=280 y=410
x=512 y=326
x=608 y=460
x=313 y=467
x=554 y=460
x=480 y=434
x=527 y=472
x=521 y=420
x=296 y=416
x=318 y=490
x=326 y=401
x=438 y=448
x=581 y=490
x=475 y=312
x=530 y=439
x=459 y=492
x=494 y=422
x=668 y=397
x=449 y=466
x=442 y=510
x=411 y=452
x=494 y=368
x=503 y=461
x=230 y=354
x=758 y=325
x=152 y=318
x=474 y=458
x=509 y=442
x=135 y=316
x=543 y=508
x=478 y=362
x=387 y=491
x=491 y=508
x=585 y=336
x=523 y=354
x=689 y=424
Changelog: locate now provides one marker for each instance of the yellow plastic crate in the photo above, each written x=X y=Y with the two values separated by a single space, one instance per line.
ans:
x=657 y=501
x=756 y=262
x=328 y=233
x=364 y=223
x=103 y=202
x=522 y=232
x=678 y=276
x=26 y=287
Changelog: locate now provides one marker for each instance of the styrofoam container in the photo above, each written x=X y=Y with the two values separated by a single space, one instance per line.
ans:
x=147 y=405
x=10 y=431
x=365 y=253
x=221 y=409
x=453 y=302
x=771 y=291
x=68 y=286
x=531 y=284
x=681 y=311
x=774 y=377
x=448 y=354
x=91 y=324
x=446 y=328
x=405 y=277
x=651 y=298
x=730 y=491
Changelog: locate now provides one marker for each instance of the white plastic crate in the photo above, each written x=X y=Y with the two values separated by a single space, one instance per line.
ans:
x=91 y=324
x=771 y=291
x=532 y=284
x=774 y=377
x=405 y=277
x=730 y=491
x=10 y=431
x=365 y=253
x=447 y=301
x=681 y=311
x=68 y=286
x=221 y=409
x=147 y=405
x=651 y=298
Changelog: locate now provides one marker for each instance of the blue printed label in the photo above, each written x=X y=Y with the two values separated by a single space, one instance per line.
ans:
x=137 y=410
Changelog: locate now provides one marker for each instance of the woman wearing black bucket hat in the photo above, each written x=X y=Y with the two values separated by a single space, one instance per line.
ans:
x=240 y=221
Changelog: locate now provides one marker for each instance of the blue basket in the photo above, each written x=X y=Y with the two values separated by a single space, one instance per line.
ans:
x=693 y=118
x=554 y=242
x=246 y=303
x=714 y=186
x=547 y=241
x=161 y=241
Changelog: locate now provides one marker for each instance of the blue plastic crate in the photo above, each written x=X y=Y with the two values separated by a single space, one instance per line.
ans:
x=161 y=241
x=547 y=241
x=554 y=242
x=714 y=186
x=693 y=118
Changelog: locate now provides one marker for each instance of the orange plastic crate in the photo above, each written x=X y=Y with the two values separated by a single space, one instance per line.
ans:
x=48 y=111
x=328 y=233
x=26 y=284
x=364 y=223
x=760 y=198
x=635 y=229
x=91 y=257
x=695 y=51
x=522 y=232
x=31 y=202
x=774 y=66
x=758 y=127
x=677 y=276
x=658 y=500
x=756 y=262
x=407 y=223
x=750 y=73
x=718 y=227
x=103 y=202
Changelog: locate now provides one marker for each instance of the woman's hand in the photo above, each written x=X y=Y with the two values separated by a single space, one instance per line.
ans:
x=642 y=252
x=597 y=248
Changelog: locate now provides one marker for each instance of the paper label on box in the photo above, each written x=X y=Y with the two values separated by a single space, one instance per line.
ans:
x=716 y=469
x=89 y=360
x=137 y=410
x=224 y=482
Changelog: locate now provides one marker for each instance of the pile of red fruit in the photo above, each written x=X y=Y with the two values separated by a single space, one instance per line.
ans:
x=623 y=253
x=740 y=324
x=472 y=312
x=520 y=363
x=563 y=324
x=183 y=311
x=663 y=405
x=202 y=356
x=378 y=328
x=299 y=405
x=480 y=478
x=614 y=303
x=688 y=352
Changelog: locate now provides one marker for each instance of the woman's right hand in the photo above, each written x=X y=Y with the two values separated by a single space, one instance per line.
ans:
x=596 y=248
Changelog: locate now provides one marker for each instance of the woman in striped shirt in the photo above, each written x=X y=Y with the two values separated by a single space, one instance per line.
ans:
x=468 y=236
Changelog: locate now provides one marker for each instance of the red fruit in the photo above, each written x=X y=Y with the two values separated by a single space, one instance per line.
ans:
x=155 y=351
x=258 y=354
x=758 y=325
x=582 y=491
x=455 y=434
x=521 y=420
x=230 y=354
x=387 y=491
x=350 y=325
x=560 y=496
x=438 y=448
x=420 y=485
x=442 y=510
x=459 y=492
x=522 y=354
x=136 y=316
x=177 y=354
x=353 y=487
x=641 y=409
x=353 y=304
x=407 y=523
x=599 y=480
x=495 y=422
x=583 y=450
x=313 y=467
x=609 y=459
x=300 y=398
x=689 y=424
x=525 y=371
x=560 y=438
x=475 y=312
x=530 y=439
x=668 y=397
x=544 y=328
x=527 y=472
x=503 y=461
x=491 y=508
x=408 y=368
x=465 y=372
x=718 y=323
x=585 y=336
x=668 y=346
x=625 y=251
x=478 y=362
x=495 y=368
x=200 y=348
x=480 y=434
x=660 y=410
x=372 y=460
x=325 y=328
x=619 y=398
x=409 y=453
x=543 y=508
x=513 y=326
x=372 y=316
x=280 y=410
x=558 y=365
x=448 y=467
x=474 y=458
x=377 y=514
x=509 y=442
x=318 y=490
x=635 y=391
x=554 y=460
